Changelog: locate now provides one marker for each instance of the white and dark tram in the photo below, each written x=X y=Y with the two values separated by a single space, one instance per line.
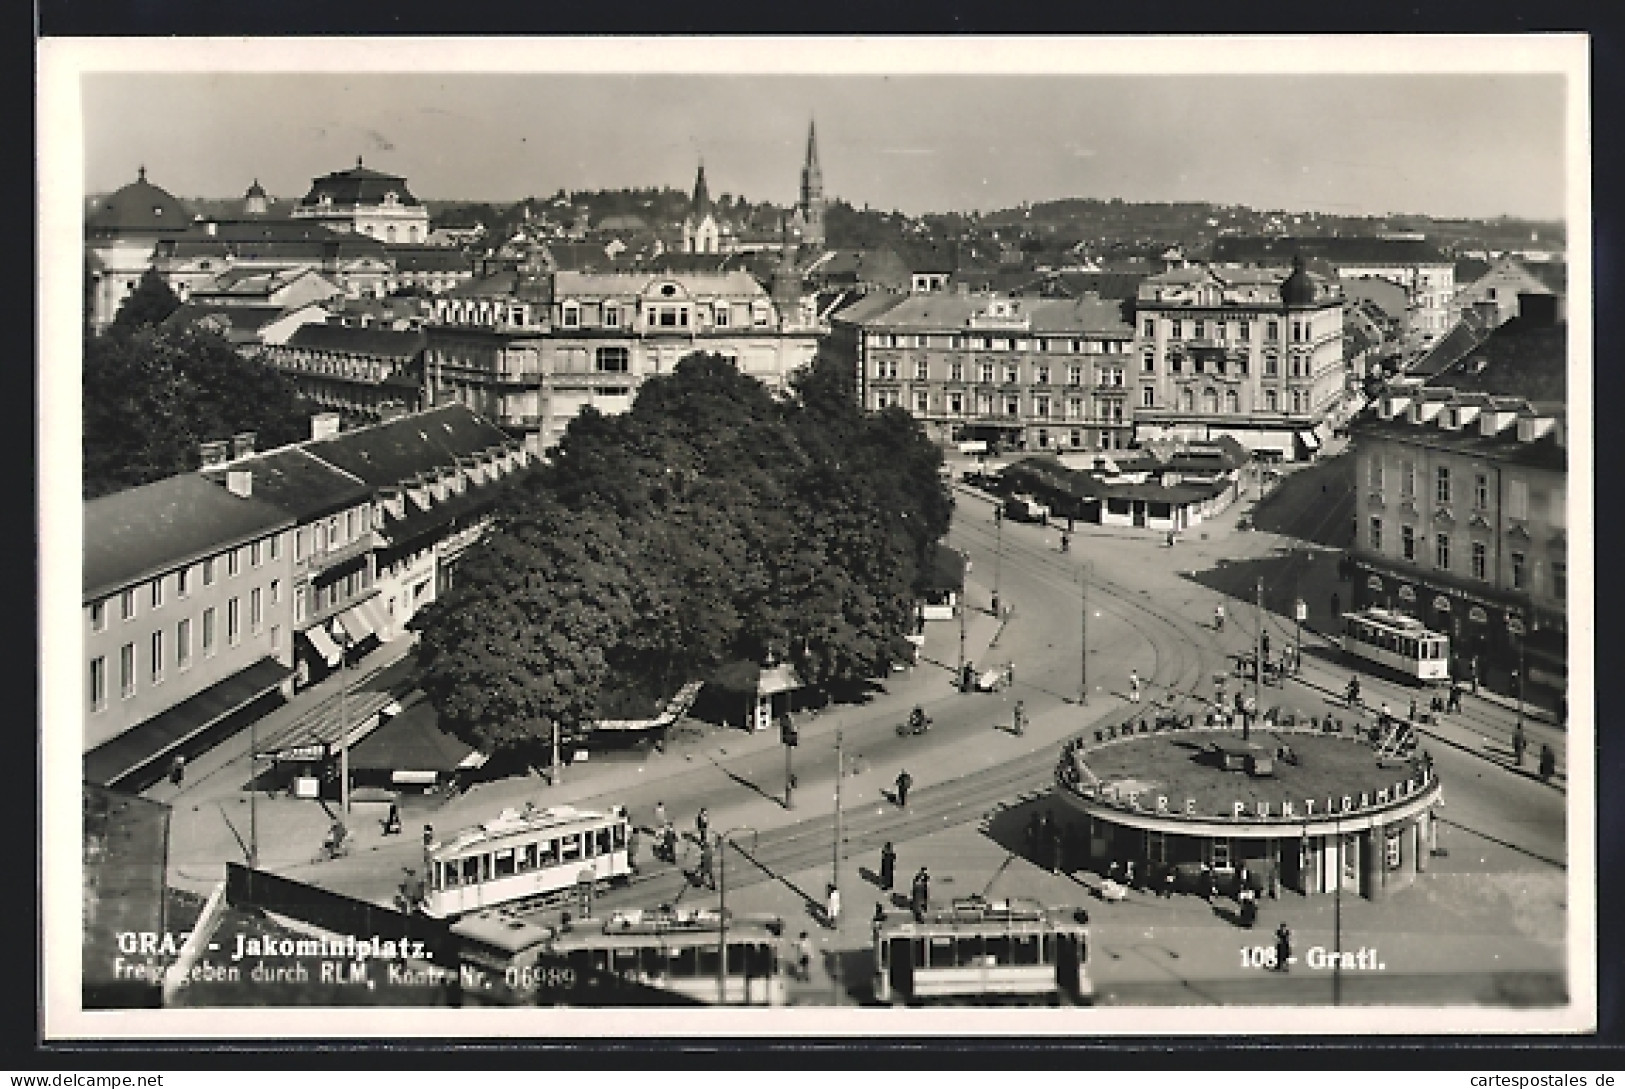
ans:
x=982 y=950
x=663 y=957
x=1400 y=644
x=523 y=855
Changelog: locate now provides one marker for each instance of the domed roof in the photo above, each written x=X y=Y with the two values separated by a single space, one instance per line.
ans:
x=139 y=208
x=1298 y=289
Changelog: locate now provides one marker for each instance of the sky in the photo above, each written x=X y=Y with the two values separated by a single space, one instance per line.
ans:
x=1445 y=144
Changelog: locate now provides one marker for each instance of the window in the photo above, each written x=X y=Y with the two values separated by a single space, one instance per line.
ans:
x=1156 y=847
x=157 y=657
x=276 y=592
x=1041 y=375
x=921 y=402
x=1178 y=329
x=98 y=616
x=1074 y=375
x=1441 y=486
x=956 y=371
x=332 y=533
x=1219 y=853
x=1148 y=362
x=1200 y=329
x=1232 y=402
x=719 y=315
x=1269 y=400
x=1481 y=492
x=1243 y=330
x=1390 y=851
x=1150 y=327
x=1560 y=579
x=254 y=549
x=208 y=571
x=1441 y=551
x=232 y=563
x=572 y=317
x=1210 y=401
x=298 y=603
x=1148 y=396
x=126 y=670
x=233 y=622
x=1011 y=376
x=126 y=604
x=986 y=374
x=1012 y=406
x=611 y=359
x=1041 y=406
x=1376 y=471
x=349 y=527
x=1272 y=365
x=183 y=643
x=1407 y=480
x=1376 y=534
x=1517 y=499
x=298 y=545
x=98 y=683
x=1520 y=570
x=1407 y=542
x=1272 y=330
x=181 y=581
x=1480 y=564
x=956 y=403
x=256 y=610
x=1074 y=408
x=921 y=370
x=208 y=631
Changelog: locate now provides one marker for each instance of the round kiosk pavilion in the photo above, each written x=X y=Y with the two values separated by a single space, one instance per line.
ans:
x=1299 y=804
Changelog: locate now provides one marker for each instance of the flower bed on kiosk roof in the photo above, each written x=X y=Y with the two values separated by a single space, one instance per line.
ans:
x=1177 y=772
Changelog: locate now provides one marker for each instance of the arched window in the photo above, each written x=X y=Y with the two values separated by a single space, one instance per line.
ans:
x=390 y=232
x=1270 y=403
x=1187 y=401
x=1232 y=403
x=1210 y=400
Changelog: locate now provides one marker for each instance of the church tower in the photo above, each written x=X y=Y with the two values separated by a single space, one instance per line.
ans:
x=812 y=193
x=700 y=231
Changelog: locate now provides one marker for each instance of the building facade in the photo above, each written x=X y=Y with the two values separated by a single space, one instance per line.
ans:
x=531 y=350
x=1256 y=354
x=188 y=622
x=367 y=202
x=121 y=234
x=1034 y=374
x=365 y=373
x=1462 y=507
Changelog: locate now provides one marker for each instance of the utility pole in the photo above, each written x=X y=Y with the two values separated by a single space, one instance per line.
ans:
x=344 y=726
x=1083 y=634
x=558 y=770
x=998 y=555
x=835 y=869
x=1258 y=665
x=1337 y=918
x=787 y=735
x=253 y=799
x=959 y=675
x=724 y=840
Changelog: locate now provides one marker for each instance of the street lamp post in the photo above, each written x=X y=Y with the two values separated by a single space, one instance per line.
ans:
x=253 y=798
x=1337 y=916
x=1083 y=632
x=724 y=840
x=998 y=555
x=1258 y=664
x=344 y=726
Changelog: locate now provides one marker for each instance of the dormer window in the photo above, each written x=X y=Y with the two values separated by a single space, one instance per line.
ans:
x=391 y=199
x=721 y=315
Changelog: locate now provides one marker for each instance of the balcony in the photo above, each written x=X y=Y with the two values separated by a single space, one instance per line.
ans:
x=334 y=557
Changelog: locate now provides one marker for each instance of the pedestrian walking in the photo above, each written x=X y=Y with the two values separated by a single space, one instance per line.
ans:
x=1283 y=947
x=1218 y=617
x=832 y=908
x=1548 y=762
x=1453 y=705
x=1412 y=715
x=1473 y=666
x=921 y=894
x=1020 y=719
x=1354 y=691
x=804 y=957
x=1052 y=857
x=660 y=815
x=1168 y=883
x=702 y=822
x=904 y=781
x=177 y=770
x=1009 y=674
x=888 y=866
x=1133 y=686
x=707 y=876
x=1519 y=743
x=392 y=823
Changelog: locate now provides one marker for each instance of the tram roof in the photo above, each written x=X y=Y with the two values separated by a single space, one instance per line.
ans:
x=999 y=916
x=1398 y=621
x=516 y=823
x=635 y=928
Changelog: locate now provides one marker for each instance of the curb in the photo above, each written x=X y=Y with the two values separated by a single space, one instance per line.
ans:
x=1552 y=782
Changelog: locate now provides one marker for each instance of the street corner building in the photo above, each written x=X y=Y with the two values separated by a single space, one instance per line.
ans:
x=211 y=595
x=1302 y=806
x=1461 y=502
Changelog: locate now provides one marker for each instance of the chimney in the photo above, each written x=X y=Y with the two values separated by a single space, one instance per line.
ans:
x=242 y=444
x=240 y=482
x=1487 y=312
x=1537 y=310
x=324 y=425
x=214 y=453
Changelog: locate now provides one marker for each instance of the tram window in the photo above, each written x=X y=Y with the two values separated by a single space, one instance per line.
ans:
x=580 y=961
x=625 y=962
x=1049 y=948
x=998 y=948
x=684 y=962
x=1407 y=647
x=653 y=960
x=589 y=840
x=707 y=960
x=549 y=852
x=471 y=870
x=603 y=838
x=968 y=951
x=503 y=863
x=942 y=953
x=1026 y=948
x=759 y=959
x=439 y=879
x=620 y=836
x=485 y=867
x=600 y=959
x=737 y=958
x=527 y=857
x=571 y=848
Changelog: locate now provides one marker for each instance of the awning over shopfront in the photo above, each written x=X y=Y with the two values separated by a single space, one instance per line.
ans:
x=355 y=623
x=1310 y=440
x=158 y=737
x=375 y=613
x=318 y=638
x=332 y=726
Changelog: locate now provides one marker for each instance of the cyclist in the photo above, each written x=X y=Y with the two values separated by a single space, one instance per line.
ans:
x=917 y=721
x=1218 y=617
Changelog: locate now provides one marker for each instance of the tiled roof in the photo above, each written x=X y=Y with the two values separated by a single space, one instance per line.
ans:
x=1447 y=350
x=241 y=323
x=868 y=307
x=398 y=450
x=1252 y=249
x=410 y=258
x=953 y=311
x=354 y=340
x=139 y=208
x=589 y=284
x=1544 y=453
x=1108 y=285
x=1554 y=274
x=141 y=532
x=1517 y=359
x=291 y=479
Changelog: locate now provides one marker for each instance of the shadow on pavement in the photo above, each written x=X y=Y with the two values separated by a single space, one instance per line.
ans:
x=1300 y=504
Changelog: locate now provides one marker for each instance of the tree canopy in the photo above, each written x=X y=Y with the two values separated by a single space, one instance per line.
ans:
x=709 y=524
x=153 y=393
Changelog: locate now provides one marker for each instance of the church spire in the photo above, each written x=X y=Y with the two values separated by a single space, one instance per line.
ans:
x=700 y=206
x=812 y=146
x=811 y=205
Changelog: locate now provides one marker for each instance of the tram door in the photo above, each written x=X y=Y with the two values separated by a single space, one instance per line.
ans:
x=902 y=966
x=1067 y=963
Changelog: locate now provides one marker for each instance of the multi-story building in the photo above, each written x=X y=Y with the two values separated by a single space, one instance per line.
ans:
x=121 y=234
x=1462 y=503
x=1029 y=374
x=1408 y=260
x=196 y=259
x=1256 y=354
x=188 y=621
x=368 y=202
x=530 y=350
x=366 y=373
x=1494 y=295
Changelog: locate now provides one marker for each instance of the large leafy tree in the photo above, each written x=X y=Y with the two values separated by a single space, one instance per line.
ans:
x=152 y=394
x=149 y=304
x=711 y=523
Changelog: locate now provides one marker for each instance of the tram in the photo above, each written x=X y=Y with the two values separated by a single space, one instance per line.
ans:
x=524 y=854
x=664 y=957
x=982 y=950
x=1399 y=643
